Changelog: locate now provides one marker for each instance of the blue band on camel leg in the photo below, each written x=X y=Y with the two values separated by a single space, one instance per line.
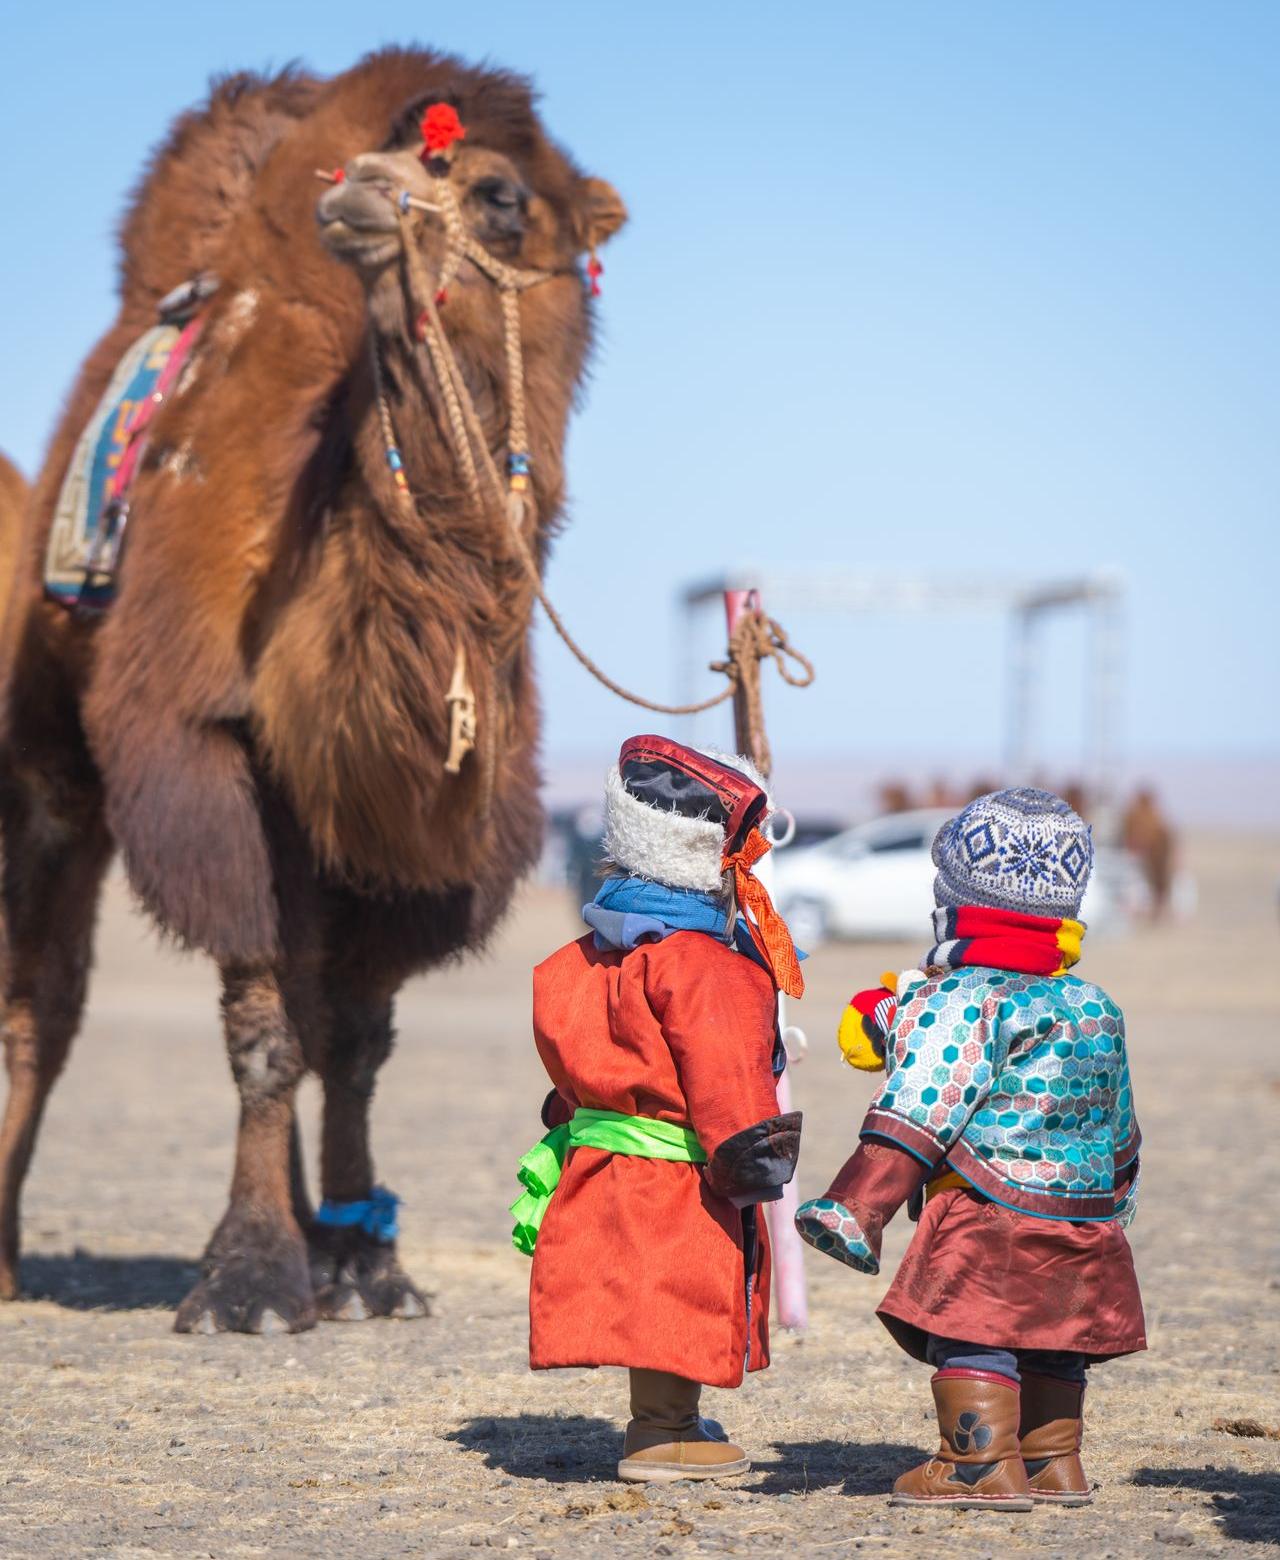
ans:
x=375 y=1214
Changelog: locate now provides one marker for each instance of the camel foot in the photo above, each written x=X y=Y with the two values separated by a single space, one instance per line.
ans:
x=357 y=1277
x=255 y=1280
x=10 y=1288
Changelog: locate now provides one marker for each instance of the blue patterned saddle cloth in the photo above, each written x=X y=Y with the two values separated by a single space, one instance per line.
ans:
x=88 y=520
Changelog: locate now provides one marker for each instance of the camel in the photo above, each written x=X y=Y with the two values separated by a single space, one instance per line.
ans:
x=13 y=498
x=308 y=721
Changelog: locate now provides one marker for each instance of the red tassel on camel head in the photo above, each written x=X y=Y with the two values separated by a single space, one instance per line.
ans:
x=441 y=127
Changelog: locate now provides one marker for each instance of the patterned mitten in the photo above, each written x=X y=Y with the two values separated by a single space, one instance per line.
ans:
x=828 y=1226
x=865 y=1025
x=847 y=1223
x=863 y=1035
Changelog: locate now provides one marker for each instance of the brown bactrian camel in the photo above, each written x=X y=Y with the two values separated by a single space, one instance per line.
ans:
x=13 y=498
x=309 y=718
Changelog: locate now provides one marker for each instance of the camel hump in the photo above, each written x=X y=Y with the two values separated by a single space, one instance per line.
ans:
x=13 y=500
x=13 y=493
x=201 y=177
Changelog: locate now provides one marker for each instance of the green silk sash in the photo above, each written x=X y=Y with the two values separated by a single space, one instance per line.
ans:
x=539 y=1170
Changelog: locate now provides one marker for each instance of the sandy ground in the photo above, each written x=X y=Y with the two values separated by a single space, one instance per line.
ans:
x=118 y=1437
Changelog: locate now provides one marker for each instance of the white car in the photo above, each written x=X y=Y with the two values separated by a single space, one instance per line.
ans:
x=876 y=881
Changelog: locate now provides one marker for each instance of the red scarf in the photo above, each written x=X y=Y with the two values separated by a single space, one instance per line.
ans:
x=1004 y=940
x=994 y=939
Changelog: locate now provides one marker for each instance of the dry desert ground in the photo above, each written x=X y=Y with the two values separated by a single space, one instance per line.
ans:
x=119 y=1438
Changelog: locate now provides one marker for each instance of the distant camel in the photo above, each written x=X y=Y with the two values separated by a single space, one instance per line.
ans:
x=320 y=611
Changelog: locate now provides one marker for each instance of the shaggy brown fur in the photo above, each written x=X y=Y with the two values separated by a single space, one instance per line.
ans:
x=260 y=720
x=13 y=499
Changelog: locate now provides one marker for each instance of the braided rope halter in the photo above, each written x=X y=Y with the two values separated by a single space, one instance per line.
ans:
x=441 y=131
x=758 y=638
x=486 y=490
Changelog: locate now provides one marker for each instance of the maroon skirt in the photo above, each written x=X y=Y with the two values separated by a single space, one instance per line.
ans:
x=989 y=1275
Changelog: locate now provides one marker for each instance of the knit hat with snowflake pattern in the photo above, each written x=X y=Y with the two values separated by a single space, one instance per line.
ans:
x=1021 y=849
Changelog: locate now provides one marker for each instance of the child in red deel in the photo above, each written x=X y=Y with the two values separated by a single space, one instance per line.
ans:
x=1007 y=1107
x=659 y=1032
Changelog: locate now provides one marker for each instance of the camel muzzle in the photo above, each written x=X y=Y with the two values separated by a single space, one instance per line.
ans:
x=364 y=208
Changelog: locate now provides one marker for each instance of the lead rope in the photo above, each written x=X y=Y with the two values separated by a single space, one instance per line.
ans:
x=756 y=638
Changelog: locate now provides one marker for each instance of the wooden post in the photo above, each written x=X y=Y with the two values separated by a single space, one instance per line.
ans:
x=737 y=605
x=790 y=1296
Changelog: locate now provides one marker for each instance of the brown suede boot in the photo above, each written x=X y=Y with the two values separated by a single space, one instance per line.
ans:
x=1050 y=1432
x=667 y=1440
x=978 y=1464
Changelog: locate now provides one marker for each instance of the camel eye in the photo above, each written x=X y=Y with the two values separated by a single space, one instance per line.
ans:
x=501 y=193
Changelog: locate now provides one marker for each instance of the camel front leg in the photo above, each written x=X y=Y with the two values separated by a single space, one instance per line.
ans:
x=254 y=1276
x=354 y=1263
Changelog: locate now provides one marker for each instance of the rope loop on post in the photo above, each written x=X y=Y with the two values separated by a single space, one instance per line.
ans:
x=759 y=638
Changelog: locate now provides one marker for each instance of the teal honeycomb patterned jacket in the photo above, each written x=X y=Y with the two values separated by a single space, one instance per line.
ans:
x=1018 y=1082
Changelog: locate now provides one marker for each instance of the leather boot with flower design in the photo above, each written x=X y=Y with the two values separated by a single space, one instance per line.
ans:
x=979 y=1463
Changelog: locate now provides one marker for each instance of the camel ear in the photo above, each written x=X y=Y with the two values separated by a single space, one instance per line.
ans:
x=600 y=212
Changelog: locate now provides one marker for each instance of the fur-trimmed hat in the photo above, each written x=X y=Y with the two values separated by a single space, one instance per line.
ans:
x=672 y=812
x=1020 y=849
x=691 y=819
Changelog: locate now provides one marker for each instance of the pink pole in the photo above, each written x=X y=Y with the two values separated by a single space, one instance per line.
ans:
x=791 y=1299
x=789 y=1292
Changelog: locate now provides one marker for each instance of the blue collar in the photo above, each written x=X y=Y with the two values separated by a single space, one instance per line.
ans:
x=630 y=911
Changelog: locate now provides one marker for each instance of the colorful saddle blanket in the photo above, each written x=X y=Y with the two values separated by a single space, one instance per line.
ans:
x=89 y=520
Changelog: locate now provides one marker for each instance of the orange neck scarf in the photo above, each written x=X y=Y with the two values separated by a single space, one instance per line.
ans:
x=768 y=929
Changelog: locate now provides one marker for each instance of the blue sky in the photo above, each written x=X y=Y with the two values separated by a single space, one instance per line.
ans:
x=945 y=288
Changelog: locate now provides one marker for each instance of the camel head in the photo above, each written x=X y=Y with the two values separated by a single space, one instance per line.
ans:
x=497 y=201
x=534 y=213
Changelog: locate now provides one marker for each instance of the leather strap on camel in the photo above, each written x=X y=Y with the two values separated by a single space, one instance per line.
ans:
x=756 y=638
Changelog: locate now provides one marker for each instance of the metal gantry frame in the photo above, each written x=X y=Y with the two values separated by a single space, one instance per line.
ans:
x=1027 y=606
